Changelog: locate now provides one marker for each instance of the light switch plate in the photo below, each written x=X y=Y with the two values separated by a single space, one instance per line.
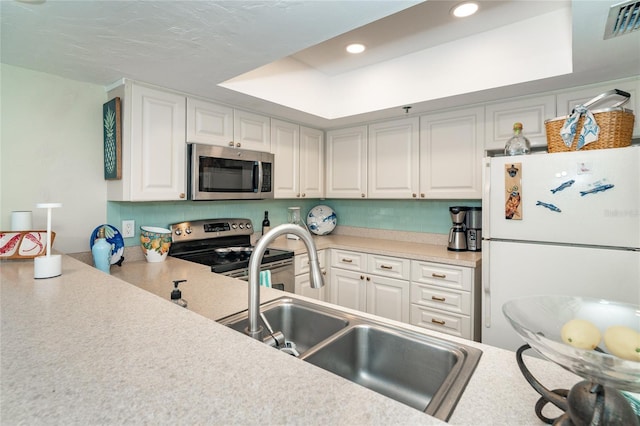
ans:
x=128 y=228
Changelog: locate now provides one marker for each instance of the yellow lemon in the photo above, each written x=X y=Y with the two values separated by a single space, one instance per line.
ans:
x=623 y=342
x=581 y=334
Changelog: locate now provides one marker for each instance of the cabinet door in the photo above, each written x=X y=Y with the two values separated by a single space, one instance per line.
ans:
x=251 y=131
x=567 y=101
x=347 y=163
x=311 y=163
x=388 y=297
x=348 y=289
x=451 y=151
x=209 y=123
x=393 y=159
x=531 y=112
x=285 y=145
x=158 y=153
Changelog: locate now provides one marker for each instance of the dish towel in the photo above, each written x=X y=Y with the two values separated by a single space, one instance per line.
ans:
x=589 y=131
x=265 y=278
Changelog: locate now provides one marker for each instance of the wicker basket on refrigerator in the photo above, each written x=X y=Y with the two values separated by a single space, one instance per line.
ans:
x=615 y=122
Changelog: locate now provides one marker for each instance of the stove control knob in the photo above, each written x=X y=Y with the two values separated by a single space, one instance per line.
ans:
x=188 y=230
x=241 y=226
x=234 y=226
x=178 y=232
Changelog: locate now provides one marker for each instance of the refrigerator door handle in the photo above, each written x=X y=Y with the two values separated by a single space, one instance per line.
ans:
x=486 y=198
x=486 y=286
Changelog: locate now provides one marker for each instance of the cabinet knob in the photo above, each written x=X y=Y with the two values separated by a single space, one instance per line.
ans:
x=368 y=278
x=414 y=195
x=362 y=277
x=422 y=195
x=297 y=195
x=231 y=143
x=362 y=195
x=238 y=145
x=182 y=195
x=304 y=195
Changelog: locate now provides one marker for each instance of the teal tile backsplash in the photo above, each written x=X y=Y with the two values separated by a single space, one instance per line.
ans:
x=430 y=216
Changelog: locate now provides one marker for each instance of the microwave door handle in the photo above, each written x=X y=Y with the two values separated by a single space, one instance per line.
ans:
x=259 y=166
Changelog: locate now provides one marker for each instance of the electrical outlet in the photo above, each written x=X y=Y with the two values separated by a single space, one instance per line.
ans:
x=128 y=228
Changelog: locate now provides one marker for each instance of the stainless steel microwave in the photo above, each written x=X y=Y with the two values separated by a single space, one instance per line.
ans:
x=220 y=173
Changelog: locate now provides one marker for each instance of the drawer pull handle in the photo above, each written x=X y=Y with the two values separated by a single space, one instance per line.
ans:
x=434 y=275
x=437 y=321
x=438 y=299
x=347 y=260
x=386 y=267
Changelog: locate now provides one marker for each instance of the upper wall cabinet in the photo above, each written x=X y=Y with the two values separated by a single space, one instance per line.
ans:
x=299 y=156
x=153 y=145
x=451 y=150
x=209 y=123
x=393 y=159
x=346 y=163
x=567 y=101
x=251 y=131
x=531 y=112
x=215 y=124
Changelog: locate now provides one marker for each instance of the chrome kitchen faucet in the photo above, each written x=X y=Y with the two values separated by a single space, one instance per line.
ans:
x=255 y=329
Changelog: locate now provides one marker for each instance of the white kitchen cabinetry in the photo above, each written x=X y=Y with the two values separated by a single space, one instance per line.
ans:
x=346 y=163
x=371 y=283
x=446 y=298
x=214 y=124
x=299 y=153
x=153 y=145
x=303 y=282
x=451 y=152
x=393 y=159
x=209 y=123
x=567 y=101
x=251 y=131
x=531 y=112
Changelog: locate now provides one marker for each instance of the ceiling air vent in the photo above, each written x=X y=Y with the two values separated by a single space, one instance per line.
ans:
x=623 y=18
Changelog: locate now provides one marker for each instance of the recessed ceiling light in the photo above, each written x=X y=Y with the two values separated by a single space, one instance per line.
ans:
x=464 y=9
x=356 y=48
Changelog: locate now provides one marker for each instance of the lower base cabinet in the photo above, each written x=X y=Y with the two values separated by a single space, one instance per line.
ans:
x=362 y=281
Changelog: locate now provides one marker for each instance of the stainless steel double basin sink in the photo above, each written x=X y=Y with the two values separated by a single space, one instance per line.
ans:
x=424 y=372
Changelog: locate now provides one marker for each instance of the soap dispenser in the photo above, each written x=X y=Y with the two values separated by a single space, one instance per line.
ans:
x=176 y=294
x=101 y=252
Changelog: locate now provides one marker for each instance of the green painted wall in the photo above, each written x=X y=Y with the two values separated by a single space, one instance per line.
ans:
x=428 y=216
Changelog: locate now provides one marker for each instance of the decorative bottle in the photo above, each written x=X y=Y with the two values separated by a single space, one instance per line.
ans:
x=266 y=225
x=518 y=144
x=101 y=252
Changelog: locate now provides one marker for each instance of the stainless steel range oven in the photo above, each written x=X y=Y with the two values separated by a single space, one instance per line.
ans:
x=225 y=246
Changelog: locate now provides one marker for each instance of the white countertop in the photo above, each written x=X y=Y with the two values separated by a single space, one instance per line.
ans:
x=87 y=348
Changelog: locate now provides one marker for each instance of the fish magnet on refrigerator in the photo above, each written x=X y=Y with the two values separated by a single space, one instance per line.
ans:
x=48 y=266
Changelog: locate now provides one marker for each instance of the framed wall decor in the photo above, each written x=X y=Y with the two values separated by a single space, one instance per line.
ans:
x=112 y=133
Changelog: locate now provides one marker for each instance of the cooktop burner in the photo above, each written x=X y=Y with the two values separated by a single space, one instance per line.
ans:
x=222 y=244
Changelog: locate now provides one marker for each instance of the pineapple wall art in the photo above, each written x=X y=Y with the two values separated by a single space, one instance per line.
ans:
x=111 y=130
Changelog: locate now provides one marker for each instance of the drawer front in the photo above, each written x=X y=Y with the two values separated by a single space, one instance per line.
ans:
x=301 y=262
x=444 y=299
x=455 y=277
x=456 y=325
x=386 y=266
x=350 y=260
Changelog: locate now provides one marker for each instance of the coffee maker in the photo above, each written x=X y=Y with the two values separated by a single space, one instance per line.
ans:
x=457 y=233
x=473 y=222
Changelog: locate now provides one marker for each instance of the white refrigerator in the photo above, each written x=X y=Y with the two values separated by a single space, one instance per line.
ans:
x=562 y=223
